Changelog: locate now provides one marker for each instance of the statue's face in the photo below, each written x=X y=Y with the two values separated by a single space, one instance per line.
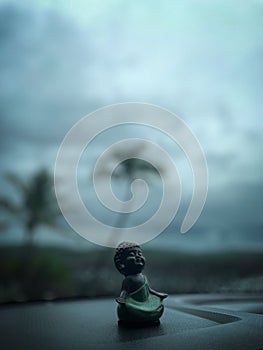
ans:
x=133 y=261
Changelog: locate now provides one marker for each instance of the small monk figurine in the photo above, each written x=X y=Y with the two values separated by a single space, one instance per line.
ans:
x=138 y=303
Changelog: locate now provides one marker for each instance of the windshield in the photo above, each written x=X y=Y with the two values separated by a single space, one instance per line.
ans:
x=61 y=61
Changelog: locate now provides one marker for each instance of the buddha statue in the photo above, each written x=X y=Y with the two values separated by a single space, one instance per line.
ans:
x=138 y=303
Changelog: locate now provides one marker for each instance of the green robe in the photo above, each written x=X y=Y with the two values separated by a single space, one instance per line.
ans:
x=141 y=306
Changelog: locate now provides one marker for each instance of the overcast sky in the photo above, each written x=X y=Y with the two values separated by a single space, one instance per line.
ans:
x=200 y=59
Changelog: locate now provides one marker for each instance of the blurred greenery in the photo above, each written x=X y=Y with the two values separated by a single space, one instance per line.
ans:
x=33 y=272
x=36 y=204
x=62 y=273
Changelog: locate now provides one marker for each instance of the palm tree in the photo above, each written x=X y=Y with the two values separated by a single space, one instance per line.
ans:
x=128 y=171
x=36 y=205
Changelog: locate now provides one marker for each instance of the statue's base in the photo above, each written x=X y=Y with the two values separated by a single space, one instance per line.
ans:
x=139 y=324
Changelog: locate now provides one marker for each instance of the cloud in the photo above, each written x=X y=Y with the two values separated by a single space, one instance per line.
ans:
x=203 y=61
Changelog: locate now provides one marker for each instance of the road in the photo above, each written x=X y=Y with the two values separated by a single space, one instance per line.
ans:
x=189 y=322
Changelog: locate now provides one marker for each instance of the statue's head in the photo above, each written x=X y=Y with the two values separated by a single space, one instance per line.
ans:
x=129 y=259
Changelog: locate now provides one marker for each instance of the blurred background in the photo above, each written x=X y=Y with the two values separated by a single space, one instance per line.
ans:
x=60 y=61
